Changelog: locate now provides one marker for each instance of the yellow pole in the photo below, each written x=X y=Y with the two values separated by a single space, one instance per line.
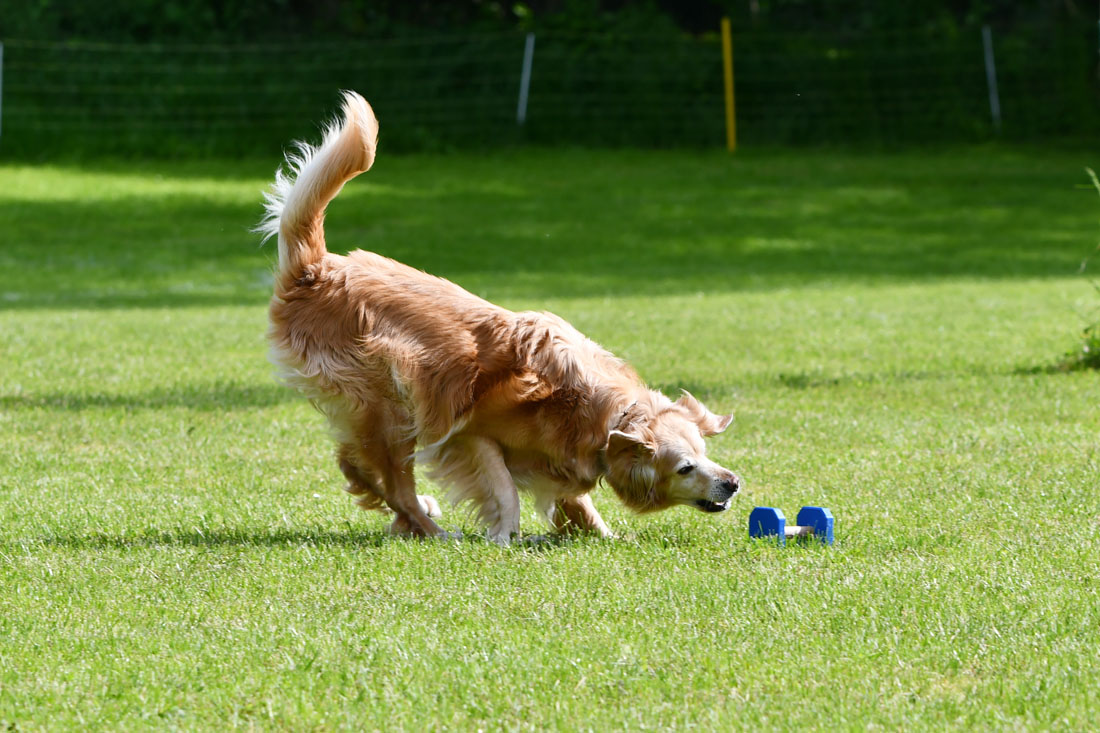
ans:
x=727 y=66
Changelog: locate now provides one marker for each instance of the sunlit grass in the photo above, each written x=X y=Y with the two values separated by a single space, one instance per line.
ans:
x=175 y=550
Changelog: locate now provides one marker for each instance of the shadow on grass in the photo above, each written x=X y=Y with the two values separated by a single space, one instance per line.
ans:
x=808 y=380
x=234 y=537
x=589 y=224
x=222 y=397
x=225 y=537
x=1064 y=366
x=218 y=396
x=820 y=380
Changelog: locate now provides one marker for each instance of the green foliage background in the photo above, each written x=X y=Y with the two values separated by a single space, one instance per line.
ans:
x=240 y=77
x=250 y=20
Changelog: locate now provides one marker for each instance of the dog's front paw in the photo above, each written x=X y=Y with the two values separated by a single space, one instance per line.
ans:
x=429 y=505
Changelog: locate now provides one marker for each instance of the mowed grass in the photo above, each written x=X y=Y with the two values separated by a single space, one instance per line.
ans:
x=175 y=550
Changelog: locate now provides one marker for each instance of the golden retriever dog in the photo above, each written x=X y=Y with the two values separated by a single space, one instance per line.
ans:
x=412 y=368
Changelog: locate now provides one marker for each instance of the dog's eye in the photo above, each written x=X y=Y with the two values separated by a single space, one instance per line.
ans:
x=686 y=469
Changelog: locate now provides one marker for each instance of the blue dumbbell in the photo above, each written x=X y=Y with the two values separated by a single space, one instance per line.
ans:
x=813 y=521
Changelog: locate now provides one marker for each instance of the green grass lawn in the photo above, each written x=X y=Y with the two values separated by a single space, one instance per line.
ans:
x=175 y=550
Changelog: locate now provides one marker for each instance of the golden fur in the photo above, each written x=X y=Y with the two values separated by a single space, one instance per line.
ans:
x=410 y=366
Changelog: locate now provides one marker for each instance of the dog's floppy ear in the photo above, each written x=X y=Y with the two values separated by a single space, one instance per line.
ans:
x=709 y=423
x=631 y=472
x=619 y=442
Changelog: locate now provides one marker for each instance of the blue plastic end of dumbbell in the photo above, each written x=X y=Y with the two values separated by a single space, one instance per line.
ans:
x=766 y=521
x=821 y=519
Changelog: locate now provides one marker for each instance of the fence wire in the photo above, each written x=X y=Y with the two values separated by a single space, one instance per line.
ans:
x=588 y=89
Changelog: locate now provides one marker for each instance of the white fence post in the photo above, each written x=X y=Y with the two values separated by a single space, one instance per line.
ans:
x=525 y=79
x=991 y=78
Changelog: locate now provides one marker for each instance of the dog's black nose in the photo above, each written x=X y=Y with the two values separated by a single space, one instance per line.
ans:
x=731 y=484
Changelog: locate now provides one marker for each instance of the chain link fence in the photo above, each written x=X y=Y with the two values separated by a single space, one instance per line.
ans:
x=456 y=91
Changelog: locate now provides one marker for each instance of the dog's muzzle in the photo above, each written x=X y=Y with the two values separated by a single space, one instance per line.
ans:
x=713 y=506
x=729 y=487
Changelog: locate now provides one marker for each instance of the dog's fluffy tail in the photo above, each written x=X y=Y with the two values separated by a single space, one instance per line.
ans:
x=296 y=201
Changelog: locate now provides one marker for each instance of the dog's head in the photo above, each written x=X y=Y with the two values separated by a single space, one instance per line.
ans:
x=657 y=458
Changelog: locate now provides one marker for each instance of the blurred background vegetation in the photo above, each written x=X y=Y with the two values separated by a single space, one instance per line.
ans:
x=250 y=20
x=240 y=77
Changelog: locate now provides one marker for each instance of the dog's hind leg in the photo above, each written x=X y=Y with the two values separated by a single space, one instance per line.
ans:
x=402 y=526
x=414 y=513
x=362 y=482
x=377 y=460
x=393 y=463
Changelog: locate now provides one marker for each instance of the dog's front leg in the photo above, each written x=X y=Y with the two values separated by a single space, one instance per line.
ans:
x=578 y=513
x=500 y=500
